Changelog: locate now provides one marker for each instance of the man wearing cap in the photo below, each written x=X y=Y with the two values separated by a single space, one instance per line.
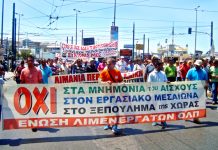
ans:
x=121 y=65
x=197 y=73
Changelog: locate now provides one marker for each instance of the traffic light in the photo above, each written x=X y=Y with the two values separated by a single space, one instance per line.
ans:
x=189 y=30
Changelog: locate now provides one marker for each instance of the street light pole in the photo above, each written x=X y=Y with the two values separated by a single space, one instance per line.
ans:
x=196 y=26
x=2 y=23
x=18 y=44
x=76 y=22
x=115 y=3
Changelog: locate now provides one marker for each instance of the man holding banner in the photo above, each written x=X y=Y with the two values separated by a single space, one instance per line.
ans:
x=157 y=75
x=111 y=75
x=197 y=73
x=31 y=75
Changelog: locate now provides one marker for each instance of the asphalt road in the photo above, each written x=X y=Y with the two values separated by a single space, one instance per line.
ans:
x=180 y=135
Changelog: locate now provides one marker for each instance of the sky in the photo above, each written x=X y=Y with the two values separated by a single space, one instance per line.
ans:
x=55 y=20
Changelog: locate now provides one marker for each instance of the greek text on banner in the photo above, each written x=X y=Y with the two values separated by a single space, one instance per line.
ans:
x=69 y=105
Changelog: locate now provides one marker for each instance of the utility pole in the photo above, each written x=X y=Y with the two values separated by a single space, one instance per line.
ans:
x=76 y=21
x=13 y=36
x=82 y=38
x=143 y=47
x=2 y=23
x=212 y=48
x=115 y=3
x=196 y=27
x=18 y=40
x=211 y=35
x=148 y=46
x=133 y=41
x=173 y=35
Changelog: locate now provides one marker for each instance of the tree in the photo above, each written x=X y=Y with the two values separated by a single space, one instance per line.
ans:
x=25 y=53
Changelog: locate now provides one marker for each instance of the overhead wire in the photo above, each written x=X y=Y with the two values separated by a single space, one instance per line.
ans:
x=119 y=4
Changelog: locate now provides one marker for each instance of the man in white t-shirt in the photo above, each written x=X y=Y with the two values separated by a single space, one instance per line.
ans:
x=157 y=75
x=121 y=65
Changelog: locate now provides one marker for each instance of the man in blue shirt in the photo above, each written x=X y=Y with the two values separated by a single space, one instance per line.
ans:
x=46 y=71
x=197 y=73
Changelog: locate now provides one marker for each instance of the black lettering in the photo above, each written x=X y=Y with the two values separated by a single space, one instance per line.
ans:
x=66 y=112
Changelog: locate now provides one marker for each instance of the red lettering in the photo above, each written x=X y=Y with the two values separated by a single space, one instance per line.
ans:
x=70 y=78
x=40 y=100
x=57 y=79
x=28 y=100
x=53 y=100
x=88 y=77
x=64 y=79
x=82 y=77
x=97 y=76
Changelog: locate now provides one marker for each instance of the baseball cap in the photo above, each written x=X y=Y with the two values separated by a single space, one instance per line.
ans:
x=155 y=57
x=198 y=62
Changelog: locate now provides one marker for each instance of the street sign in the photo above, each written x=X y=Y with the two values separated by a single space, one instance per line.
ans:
x=139 y=46
x=128 y=46
x=114 y=33
x=89 y=41
x=125 y=52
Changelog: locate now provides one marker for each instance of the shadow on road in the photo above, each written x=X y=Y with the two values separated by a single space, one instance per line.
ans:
x=126 y=132
x=51 y=130
x=212 y=107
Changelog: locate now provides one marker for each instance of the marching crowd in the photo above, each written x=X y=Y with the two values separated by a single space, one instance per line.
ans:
x=154 y=70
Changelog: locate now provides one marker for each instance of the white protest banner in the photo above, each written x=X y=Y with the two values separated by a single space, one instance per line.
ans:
x=99 y=50
x=93 y=77
x=71 y=105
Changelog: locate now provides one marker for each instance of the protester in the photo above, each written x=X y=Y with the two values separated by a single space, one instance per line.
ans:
x=170 y=70
x=111 y=75
x=150 y=67
x=63 y=68
x=77 y=67
x=197 y=73
x=91 y=66
x=31 y=75
x=102 y=65
x=178 y=72
x=130 y=66
x=121 y=65
x=46 y=71
x=18 y=70
x=165 y=62
x=214 y=80
x=2 y=64
x=157 y=75
x=184 y=69
x=2 y=72
x=139 y=65
x=54 y=69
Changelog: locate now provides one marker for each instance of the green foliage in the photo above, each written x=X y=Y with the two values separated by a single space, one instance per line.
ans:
x=24 y=54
